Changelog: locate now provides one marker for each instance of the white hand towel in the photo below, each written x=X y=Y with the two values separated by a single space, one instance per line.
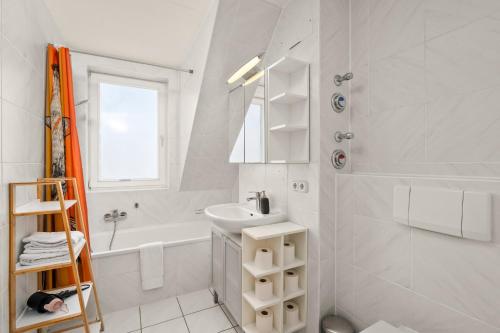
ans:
x=151 y=255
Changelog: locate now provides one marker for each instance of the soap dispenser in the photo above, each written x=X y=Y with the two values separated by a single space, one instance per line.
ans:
x=264 y=203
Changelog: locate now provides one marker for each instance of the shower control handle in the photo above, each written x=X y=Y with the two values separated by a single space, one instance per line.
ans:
x=339 y=159
x=339 y=136
x=338 y=102
x=338 y=79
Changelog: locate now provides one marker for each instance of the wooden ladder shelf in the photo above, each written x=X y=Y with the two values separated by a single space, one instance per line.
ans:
x=30 y=319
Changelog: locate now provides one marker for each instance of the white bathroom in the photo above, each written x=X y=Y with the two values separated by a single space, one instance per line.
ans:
x=256 y=166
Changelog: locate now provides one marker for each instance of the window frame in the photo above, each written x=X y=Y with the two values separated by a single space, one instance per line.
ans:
x=94 y=184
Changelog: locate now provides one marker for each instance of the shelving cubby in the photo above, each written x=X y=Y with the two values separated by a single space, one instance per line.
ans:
x=301 y=302
x=288 y=111
x=273 y=236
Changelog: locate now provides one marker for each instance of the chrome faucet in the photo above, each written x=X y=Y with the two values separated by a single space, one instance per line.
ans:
x=256 y=198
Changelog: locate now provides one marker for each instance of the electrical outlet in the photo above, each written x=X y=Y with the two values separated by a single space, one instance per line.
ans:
x=299 y=186
x=303 y=186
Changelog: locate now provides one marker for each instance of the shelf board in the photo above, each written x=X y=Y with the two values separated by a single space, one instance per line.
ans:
x=288 y=161
x=298 y=293
x=20 y=269
x=94 y=328
x=259 y=272
x=288 y=65
x=37 y=207
x=273 y=230
x=258 y=304
x=294 y=328
x=251 y=328
x=31 y=319
x=295 y=263
x=288 y=128
x=288 y=98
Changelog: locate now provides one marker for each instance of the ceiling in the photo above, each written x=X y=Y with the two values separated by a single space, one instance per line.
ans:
x=153 y=31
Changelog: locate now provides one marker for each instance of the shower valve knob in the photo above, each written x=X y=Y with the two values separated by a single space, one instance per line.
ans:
x=338 y=159
x=338 y=102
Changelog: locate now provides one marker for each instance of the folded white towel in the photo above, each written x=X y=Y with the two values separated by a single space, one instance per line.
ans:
x=58 y=251
x=31 y=247
x=52 y=238
x=151 y=258
x=30 y=259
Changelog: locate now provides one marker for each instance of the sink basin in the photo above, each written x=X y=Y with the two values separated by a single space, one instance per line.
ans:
x=233 y=217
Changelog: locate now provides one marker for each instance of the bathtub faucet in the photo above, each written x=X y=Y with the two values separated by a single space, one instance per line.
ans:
x=115 y=216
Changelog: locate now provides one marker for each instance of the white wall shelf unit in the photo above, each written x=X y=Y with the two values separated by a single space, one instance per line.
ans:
x=288 y=111
x=274 y=236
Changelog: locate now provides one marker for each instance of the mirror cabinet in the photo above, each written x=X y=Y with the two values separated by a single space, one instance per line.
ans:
x=269 y=118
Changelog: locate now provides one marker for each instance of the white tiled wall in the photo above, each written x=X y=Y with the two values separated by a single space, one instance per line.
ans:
x=427 y=281
x=426 y=74
x=242 y=29
x=422 y=103
x=26 y=28
x=156 y=207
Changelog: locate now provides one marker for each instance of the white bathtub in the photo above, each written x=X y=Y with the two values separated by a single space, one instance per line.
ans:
x=186 y=261
x=128 y=240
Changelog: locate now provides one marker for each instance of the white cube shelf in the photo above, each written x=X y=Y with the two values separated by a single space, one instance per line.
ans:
x=274 y=236
x=288 y=111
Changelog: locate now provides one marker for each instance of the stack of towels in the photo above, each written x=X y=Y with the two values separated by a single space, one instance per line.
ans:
x=48 y=247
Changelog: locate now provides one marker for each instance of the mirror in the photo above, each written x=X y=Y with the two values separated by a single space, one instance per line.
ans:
x=247 y=119
x=236 y=107
x=255 y=120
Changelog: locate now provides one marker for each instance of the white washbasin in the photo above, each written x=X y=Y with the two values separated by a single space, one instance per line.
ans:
x=233 y=217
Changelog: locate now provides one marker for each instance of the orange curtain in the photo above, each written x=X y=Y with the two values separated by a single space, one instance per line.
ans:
x=59 y=60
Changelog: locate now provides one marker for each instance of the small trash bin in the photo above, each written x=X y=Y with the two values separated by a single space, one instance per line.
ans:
x=336 y=324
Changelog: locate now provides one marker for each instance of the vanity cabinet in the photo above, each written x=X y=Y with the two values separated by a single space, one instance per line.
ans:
x=226 y=271
x=218 y=264
x=233 y=278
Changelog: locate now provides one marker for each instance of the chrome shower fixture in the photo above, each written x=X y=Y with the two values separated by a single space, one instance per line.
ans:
x=339 y=136
x=338 y=159
x=338 y=102
x=338 y=79
x=115 y=216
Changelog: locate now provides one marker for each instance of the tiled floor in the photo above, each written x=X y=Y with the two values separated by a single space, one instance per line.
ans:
x=190 y=313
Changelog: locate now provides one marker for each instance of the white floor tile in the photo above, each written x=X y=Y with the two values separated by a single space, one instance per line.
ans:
x=172 y=326
x=211 y=320
x=231 y=330
x=122 y=321
x=155 y=313
x=196 y=301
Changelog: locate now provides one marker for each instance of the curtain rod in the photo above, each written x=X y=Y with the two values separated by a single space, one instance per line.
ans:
x=190 y=71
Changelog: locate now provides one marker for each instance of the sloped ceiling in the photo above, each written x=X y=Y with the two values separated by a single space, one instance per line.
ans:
x=153 y=31
x=243 y=29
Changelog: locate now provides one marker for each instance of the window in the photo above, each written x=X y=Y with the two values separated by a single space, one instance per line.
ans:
x=127 y=132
